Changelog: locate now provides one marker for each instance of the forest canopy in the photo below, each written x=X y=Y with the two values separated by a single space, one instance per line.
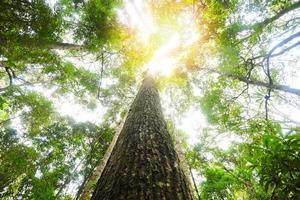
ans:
x=228 y=74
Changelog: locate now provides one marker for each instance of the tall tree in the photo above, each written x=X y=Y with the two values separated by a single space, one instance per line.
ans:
x=144 y=164
x=93 y=50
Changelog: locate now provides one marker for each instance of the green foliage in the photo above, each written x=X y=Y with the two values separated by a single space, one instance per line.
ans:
x=217 y=185
x=28 y=23
x=60 y=153
x=218 y=109
x=72 y=79
x=275 y=159
x=16 y=161
x=4 y=105
x=98 y=24
x=35 y=110
x=265 y=166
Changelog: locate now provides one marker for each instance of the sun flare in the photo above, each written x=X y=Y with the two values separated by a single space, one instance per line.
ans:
x=137 y=15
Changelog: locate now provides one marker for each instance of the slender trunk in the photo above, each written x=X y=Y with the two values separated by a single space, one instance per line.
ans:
x=143 y=163
x=195 y=185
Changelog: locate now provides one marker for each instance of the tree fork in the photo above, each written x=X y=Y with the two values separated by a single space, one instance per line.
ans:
x=143 y=163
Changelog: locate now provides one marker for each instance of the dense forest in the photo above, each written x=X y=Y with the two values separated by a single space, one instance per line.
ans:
x=158 y=99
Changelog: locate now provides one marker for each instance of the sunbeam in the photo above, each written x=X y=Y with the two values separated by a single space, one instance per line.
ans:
x=137 y=15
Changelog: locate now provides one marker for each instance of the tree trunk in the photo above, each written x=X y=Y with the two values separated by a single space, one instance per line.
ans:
x=143 y=163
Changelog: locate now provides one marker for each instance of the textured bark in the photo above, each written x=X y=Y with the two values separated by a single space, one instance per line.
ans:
x=143 y=163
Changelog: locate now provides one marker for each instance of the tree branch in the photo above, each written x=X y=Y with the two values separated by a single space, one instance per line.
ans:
x=268 y=21
x=279 y=87
x=10 y=76
x=267 y=68
x=66 y=46
x=285 y=50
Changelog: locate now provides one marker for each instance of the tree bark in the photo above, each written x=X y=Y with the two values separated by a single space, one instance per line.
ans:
x=143 y=163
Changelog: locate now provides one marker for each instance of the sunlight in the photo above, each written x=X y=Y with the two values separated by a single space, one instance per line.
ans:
x=137 y=15
x=162 y=61
x=167 y=57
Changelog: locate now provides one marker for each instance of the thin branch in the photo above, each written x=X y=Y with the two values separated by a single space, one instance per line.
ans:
x=240 y=94
x=10 y=76
x=101 y=75
x=194 y=182
x=283 y=42
x=286 y=49
x=267 y=68
x=268 y=21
